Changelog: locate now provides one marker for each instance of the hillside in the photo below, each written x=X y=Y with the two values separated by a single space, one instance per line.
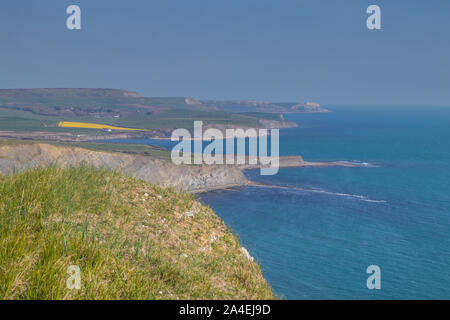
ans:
x=41 y=110
x=131 y=240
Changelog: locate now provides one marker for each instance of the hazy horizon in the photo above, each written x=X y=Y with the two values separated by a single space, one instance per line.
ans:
x=290 y=51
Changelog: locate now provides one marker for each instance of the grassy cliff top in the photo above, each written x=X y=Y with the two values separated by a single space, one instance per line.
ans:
x=137 y=149
x=131 y=240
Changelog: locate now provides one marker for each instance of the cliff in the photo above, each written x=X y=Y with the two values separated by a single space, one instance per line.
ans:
x=20 y=157
x=245 y=106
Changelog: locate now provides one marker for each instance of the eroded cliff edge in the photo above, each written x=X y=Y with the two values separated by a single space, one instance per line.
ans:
x=18 y=156
x=191 y=178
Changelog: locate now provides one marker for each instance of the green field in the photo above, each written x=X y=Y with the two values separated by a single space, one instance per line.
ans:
x=141 y=149
x=42 y=109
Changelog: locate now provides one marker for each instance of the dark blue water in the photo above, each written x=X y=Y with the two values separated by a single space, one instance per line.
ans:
x=393 y=211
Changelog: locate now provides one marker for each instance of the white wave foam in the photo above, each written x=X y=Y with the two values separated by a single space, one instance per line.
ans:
x=347 y=195
x=317 y=190
x=359 y=163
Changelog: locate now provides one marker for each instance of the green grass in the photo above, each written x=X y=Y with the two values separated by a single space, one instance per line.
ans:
x=131 y=240
x=267 y=116
x=11 y=142
x=147 y=150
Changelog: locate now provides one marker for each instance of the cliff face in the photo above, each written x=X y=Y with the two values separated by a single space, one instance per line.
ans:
x=14 y=158
x=307 y=107
x=264 y=106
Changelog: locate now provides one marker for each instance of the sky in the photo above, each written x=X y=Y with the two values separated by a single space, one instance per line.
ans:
x=277 y=50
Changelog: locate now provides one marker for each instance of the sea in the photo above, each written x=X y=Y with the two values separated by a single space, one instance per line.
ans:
x=317 y=237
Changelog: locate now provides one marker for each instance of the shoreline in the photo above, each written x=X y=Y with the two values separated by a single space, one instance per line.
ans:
x=189 y=178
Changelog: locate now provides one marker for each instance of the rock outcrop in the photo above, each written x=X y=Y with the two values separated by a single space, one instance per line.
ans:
x=307 y=107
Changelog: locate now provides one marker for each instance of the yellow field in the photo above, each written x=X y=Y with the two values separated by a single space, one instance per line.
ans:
x=66 y=124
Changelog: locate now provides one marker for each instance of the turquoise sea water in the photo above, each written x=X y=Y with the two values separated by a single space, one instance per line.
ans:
x=392 y=211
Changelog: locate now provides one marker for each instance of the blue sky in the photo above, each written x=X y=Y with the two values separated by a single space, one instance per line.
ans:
x=235 y=49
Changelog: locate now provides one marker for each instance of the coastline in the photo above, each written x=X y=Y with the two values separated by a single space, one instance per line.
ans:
x=187 y=178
